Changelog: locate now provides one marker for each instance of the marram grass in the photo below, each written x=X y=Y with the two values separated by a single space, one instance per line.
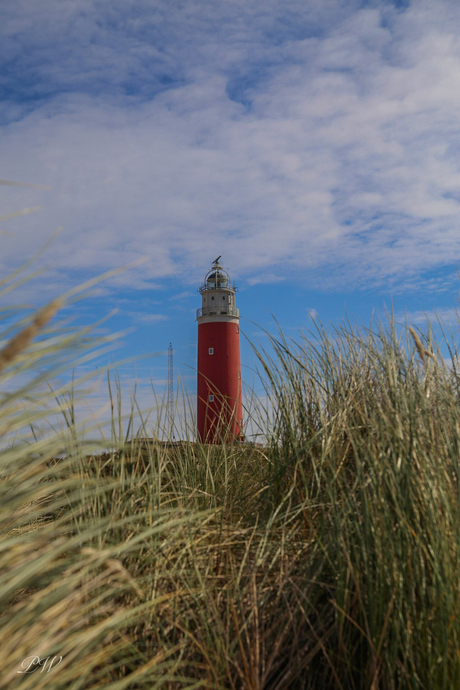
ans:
x=328 y=557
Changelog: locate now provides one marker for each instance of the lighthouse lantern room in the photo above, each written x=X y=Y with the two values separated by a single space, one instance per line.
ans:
x=219 y=404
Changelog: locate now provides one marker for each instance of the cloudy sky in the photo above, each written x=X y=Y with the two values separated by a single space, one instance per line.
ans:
x=313 y=143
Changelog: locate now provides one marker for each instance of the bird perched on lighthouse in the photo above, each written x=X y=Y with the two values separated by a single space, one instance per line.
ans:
x=219 y=403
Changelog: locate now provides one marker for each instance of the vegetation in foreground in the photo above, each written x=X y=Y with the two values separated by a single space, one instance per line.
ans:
x=328 y=558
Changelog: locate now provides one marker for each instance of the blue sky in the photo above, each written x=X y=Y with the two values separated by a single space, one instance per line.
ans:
x=313 y=143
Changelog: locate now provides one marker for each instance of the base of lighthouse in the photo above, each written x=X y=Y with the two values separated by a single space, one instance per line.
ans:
x=219 y=404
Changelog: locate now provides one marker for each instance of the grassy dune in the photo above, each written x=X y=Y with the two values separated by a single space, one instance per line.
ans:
x=326 y=558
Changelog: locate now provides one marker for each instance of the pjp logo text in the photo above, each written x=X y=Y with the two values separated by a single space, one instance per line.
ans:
x=34 y=663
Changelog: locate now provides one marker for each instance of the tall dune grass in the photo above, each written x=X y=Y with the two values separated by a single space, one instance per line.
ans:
x=70 y=607
x=328 y=557
x=366 y=444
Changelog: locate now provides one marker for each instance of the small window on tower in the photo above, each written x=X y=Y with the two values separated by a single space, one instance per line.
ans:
x=212 y=297
x=211 y=398
x=239 y=374
x=211 y=350
x=223 y=296
x=237 y=329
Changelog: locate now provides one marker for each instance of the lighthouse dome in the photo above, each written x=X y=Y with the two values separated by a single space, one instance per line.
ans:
x=218 y=279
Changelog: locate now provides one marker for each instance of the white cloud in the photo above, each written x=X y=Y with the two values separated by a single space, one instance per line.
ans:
x=264 y=278
x=183 y=295
x=147 y=317
x=316 y=137
x=443 y=315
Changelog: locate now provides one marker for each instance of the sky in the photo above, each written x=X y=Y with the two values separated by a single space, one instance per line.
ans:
x=314 y=144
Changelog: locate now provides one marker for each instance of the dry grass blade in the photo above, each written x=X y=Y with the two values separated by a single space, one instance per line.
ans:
x=20 y=341
x=22 y=212
x=423 y=352
x=29 y=185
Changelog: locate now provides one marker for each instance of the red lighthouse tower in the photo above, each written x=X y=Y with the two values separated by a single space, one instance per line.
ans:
x=220 y=408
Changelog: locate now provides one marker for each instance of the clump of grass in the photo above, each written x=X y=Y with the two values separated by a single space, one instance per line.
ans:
x=373 y=463
x=70 y=538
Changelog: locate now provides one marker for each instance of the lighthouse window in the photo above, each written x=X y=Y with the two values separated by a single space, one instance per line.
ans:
x=237 y=329
x=211 y=398
x=239 y=374
x=211 y=350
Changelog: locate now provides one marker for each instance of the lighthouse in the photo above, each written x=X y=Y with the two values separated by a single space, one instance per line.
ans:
x=219 y=404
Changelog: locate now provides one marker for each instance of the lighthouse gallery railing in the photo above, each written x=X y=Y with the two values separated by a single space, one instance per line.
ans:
x=228 y=310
